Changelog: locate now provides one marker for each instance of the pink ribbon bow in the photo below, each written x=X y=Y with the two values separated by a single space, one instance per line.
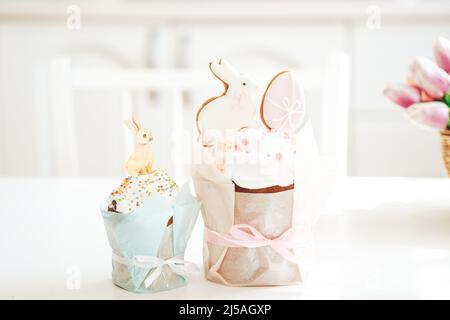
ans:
x=240 y=97
x=237 y=237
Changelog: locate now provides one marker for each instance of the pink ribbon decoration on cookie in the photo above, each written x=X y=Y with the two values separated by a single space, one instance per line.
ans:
x=240 y=97
x=237 y=237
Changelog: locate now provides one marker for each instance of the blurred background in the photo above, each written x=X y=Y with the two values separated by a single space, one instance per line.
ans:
x=71 y=72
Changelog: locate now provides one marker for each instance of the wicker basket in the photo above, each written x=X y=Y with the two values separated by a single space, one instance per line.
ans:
x=445 y=146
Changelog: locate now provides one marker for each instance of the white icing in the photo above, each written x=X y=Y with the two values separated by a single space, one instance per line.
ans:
x=256 y=158
x=291 y=107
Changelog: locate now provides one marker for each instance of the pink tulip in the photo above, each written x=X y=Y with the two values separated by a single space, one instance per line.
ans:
x=429 y=114
x=428 y=76
x=442 y=53
x=402 y=94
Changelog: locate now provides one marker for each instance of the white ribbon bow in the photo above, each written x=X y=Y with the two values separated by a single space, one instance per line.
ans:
x=176 y=264
x=291 y=107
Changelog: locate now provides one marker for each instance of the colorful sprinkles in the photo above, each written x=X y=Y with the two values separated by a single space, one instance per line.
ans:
x=134 y=189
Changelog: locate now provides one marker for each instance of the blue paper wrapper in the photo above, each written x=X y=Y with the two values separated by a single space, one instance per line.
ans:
x=144 y=232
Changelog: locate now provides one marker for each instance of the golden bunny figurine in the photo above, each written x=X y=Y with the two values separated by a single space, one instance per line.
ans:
x=141 y=160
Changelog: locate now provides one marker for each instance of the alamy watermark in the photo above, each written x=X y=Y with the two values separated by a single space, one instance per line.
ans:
x=373 y=21
x=73 y=280
x=73 y=21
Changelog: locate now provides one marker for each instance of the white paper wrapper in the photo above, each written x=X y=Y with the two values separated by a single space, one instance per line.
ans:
x=271 y=213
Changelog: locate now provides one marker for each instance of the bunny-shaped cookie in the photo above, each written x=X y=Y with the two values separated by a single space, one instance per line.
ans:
x=234 y=110
x=141 y=160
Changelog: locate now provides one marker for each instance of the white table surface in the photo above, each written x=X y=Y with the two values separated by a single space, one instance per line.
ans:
x=377 y=238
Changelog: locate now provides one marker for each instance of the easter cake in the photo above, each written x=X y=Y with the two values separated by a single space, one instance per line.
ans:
x=258 y=165
x=148 y=221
